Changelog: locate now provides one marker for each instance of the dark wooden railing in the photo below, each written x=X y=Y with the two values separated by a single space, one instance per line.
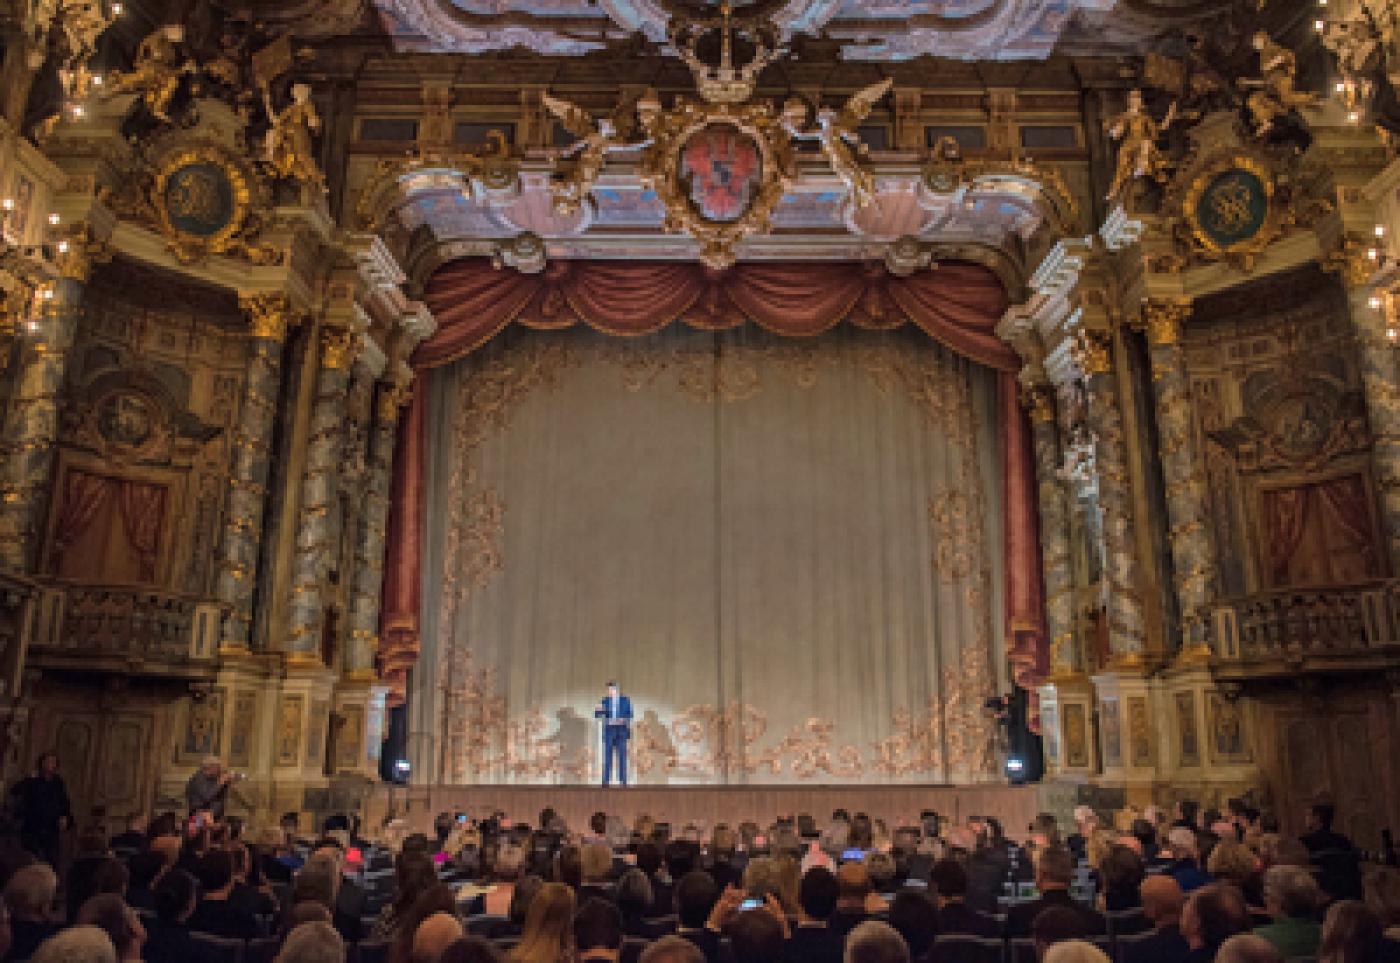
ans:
x=1292 y=624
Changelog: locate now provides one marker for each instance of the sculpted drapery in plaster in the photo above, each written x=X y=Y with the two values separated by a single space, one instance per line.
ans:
x=957 y=305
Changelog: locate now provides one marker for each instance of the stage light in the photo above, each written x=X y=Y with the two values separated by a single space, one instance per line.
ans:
x=1015 y=769
x=402 y=770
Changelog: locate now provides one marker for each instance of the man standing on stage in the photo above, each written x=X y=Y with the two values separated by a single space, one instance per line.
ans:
x=616 y=712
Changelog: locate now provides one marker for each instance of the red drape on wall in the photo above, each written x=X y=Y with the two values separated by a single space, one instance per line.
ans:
x=143 y=510
x=84 y=496
x=956 y=304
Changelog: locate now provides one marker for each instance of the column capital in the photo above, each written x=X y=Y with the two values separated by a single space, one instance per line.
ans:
x=269 y=313
x=339 y=348
x=1094 y=351
x=1162 y=319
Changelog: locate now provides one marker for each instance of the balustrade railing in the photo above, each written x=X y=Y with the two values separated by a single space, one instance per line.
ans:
x=138 y=624
x=1315 y=622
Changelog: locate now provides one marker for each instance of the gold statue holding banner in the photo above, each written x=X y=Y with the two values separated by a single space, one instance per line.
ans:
x=288 y=149
x=157 y=72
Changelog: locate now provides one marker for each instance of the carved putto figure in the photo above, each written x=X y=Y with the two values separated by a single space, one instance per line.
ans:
x=595 y=141
x=837 y=133
x=288 y=147
x=1138 y=154
x=1276 y=96
x=158 y=70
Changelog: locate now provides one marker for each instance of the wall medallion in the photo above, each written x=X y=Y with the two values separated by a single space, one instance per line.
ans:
x=1229 y=207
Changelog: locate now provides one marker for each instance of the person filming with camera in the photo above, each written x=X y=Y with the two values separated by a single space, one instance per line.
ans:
x=208 y=787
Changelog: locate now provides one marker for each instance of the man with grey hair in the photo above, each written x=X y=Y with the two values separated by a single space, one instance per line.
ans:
x=208 y=787
x=1291 y=897
x=77 y=944
x=312 y=943
x=1247 y=948
x=876 y=942
x=672 y=949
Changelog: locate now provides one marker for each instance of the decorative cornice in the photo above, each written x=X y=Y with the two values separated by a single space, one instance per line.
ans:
x=1162 y=319
x=269 y=314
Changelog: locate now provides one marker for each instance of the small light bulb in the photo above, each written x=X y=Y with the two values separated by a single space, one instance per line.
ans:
x=1340 y=87
x=1391 y=333
x=1318 y=25
x=1322 y=3
x=78 y=110
x=116 y=9
x=1354 y=116
x=1380 y=230
x=97 y=80
x=31 y=326
x=1372 y=253
x=8 y=203
x=1375 y=303
x=48 y=294
x=62 y=247
x=54 y=218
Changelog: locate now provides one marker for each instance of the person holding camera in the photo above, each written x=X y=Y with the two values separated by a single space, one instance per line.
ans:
x=208 y=787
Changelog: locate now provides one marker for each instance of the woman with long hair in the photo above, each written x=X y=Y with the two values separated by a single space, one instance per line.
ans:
x=1351 y=933
x=414 y=875
x=549 y=927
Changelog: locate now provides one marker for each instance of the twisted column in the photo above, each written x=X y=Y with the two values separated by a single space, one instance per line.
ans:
x=318 y=521
x=29 y=437
x=269 y=316
x=367 y=588
x=1192 y=552
x=1105 y=421
x=1054 y=532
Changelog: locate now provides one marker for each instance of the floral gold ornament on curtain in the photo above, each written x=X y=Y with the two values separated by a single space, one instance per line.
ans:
x=719 y=165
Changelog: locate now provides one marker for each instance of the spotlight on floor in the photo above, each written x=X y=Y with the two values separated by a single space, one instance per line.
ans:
x=1015 y=770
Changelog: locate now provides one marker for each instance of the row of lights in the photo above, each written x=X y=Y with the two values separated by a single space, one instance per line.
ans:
x=1377 y=301
x=76 y=110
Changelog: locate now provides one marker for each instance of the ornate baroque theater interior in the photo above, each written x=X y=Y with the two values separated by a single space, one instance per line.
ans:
x=382 y=378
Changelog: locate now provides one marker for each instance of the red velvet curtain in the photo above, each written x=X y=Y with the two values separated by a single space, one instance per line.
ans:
x=84 y=497
x=956 y=304
x=143 y=511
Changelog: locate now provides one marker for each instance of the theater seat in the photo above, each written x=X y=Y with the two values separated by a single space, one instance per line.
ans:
x=369 y=951
x=958 y=948
x=262 y=950
x=215 y=949
x=1125 y=946
x=632 y=947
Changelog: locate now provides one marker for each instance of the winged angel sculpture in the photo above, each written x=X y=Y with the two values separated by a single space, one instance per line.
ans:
x=596 y=139
x=838 y=134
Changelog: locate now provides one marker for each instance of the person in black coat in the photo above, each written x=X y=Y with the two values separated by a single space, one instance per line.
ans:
x=44 y=809
x=812 y=940
x=1162 y=903
x=948 y=882
x=1053 y=877
x=696 y=896
x=168 y=935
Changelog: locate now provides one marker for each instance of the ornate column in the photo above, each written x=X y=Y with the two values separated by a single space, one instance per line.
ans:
x=269 y=315
x=1192 y=552
x=1105 y=420
x=30 y=433
x=1380 y=378
x=1054 y=532
x=367 y=588
x=318 y=521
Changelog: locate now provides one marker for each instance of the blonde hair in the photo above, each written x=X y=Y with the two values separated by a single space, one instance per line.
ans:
x=1231 y=860
x=597 y=861
x=549 y=926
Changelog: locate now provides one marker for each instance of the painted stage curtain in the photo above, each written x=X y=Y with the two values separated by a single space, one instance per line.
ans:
x=107 y=529
x=957 y=305
x=1320 y=534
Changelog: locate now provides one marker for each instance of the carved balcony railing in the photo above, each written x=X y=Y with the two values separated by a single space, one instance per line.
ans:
x=1354 y=626
x=139 y=628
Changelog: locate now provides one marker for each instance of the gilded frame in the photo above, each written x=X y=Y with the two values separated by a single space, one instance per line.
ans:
x=187 y=247
x=1202 y=178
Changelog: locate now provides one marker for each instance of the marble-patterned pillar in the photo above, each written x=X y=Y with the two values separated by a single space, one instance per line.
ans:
x=29 y=437
x=269 y=317
x=367 y=587
x=1192 y=552
x=1380 y=376
x=318 y=519
x=1105 y=422
x=1054 y=532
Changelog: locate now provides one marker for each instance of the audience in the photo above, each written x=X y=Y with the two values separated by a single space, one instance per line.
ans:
x=1075 y=951
x=1053 y=876
x=914 y=917
x=216 y=914
x=696 y=899
x=109 y=913
x=168 y=934
x=316 y=942
x=672 y=949
x=434 y=935
x=28 y=896
x=1212 y=915
x=1162 y=904
x=755 y=936
x=548 y=933
x=948 y=882
x=1351 y=933
x=471 y=949
x=1291 y=897
x=812 y=939
x=77 y=944
x=1248 y=948
x=875 y=942
x=598 y=931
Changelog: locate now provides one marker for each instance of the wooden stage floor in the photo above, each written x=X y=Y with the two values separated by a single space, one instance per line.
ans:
x=1015 y=806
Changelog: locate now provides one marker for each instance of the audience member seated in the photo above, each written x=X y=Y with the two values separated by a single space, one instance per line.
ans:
x=548 y=930
x=1212 y=915
x=1335 y=859
x=857 y=900
x=597 y=931
x=144 y=868
x=882 y=870
x=568 y=867
x=596 y=865
x=471 y=949
x=650 y=863
x=109 y=913
x=434 y=935
x=1121 y=872
x=672 y=949
x=1382 y=892
x=506 y=871
x=722 y=865
x=756 y=936
x=1055 y=924
x=1248 y=948
x=1075 y=951
x=414 y=874
x=1162 y=904
x=312 y=943
x=875 y=942
x=1185 y=864
x=1351 y=933
x=1053 y=877
x=215 y=914
x=436 y=899
x=168 y=935
x=812 y=941
x=634 y=901
x=28 y=896
x=77 y=944
x=948 y=882
x=250 y=892
x=914 y=917
x=1292 y=898
x=1232 y=862
x=696 y=899
x=349 y=905
x=133 y=839
x=90 y=876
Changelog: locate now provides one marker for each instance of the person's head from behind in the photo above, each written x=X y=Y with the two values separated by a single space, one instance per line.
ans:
x=29 y=893
x=854 y=884
x=308 y=912
x=312 y=942
x=649 y=858
x=672 y=949
x=724 y=842
x=948 y=881
x=433 y=935
x=1320 y=817
x=680 y=859
x=598 y=823
x=109 y=912
x=755 y=936
x=215 y=873
x=143 y=868
x=875 y=942
x=510 y=863
x=696 y=894
x=817 y=894
x=1121 y=870
x=761 y=878
x=1351 y=933
x=77 y=944
x=1074 y=951
x=634 y=894
x=471 y=949
x=318 y=880
x=1290 y=892
x=1248 y=948
x=1382 y=889
x=882 y=869
x=597 y=863
x=525 y=891
x=568 y=866
x=1055 y=869
x=1231 y=861
x=549 y=923
x=597 y=930
x=1162 y=900
x=1055 y=925
x=1212 y=915
x=915 y=918
x=414 y=873
x=175 y=895
x=1183 y=844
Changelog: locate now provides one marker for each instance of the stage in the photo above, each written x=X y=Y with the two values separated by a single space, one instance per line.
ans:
x=705 y=806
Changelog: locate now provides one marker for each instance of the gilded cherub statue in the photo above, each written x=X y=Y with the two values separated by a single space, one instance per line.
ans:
x=288 y=149
x=1276 y=95
x=595 y=140
x=1138 y=154
x=157 y=71
x=838 y=134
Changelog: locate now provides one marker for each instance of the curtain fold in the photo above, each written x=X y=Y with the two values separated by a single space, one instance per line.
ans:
x=84 y=496
x=957 y=304
x=143 y=512
x=1285 y=514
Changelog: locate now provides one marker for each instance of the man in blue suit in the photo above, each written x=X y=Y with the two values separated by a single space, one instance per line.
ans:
x=616 y=712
